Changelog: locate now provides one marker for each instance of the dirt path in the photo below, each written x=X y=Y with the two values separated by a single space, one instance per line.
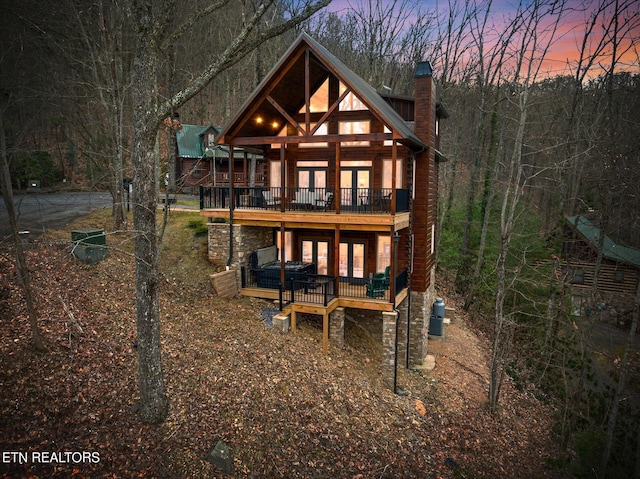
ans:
x=461 y=365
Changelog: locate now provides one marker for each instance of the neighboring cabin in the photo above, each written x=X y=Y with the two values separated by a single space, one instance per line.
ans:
x=619 y=272
x=199 y=161
x=345 y=224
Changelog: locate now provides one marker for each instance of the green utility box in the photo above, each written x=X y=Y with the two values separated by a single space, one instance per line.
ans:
x=89 y=246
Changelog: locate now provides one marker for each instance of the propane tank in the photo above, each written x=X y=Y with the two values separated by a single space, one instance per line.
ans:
x=438 y=308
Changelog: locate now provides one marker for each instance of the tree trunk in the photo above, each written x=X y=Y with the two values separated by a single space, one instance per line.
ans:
x=622 y=382
x=21 y=262
x=153 y=398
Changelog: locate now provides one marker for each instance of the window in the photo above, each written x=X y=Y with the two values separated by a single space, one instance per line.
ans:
x=352 y=260
x=350 y=102
x=322 y=130
x=274 y=174
x=312 y=175
x=319 y=101
x=354 y=186
x=287 y=246
x=315 y=251
x=387 y=173
x=383 y=253
x=282 y=133
x=211 y=139
x=354 y=128
x=387 y=142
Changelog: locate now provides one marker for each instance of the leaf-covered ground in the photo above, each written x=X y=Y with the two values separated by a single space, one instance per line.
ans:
x=284 y=409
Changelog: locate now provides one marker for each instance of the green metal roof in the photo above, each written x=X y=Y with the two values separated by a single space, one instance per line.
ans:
x=189 y=139
x=610 y=250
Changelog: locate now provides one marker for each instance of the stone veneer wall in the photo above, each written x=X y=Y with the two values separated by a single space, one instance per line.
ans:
x=421 y=307
x=336 y=327
x=403 y=309
x=388 y=347
x=246 y=239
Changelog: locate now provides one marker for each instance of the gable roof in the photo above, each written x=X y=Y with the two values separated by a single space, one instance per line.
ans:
x=190 y=140
x=610 y=250
x=285 y=83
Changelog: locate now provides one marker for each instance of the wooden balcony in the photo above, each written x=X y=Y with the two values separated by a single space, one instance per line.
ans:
x=241 y=178
x=368 y=209
x=317 y=293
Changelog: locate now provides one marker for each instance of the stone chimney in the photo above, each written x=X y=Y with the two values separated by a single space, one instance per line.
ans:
x=423 y=214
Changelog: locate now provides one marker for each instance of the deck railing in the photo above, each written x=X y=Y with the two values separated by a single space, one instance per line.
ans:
x=320 y=289
x=222 y=178
x=352 y=200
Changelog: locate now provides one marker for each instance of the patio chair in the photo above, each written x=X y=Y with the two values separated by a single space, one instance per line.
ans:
x=376 y=287
x=325 y=203
x=269 y=200
x=304 y=199
x=384 y=277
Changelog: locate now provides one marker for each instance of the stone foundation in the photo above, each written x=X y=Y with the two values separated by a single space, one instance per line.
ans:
x=246 y=239
x=336 y=327
x=389 y=347
x=403 y=309
x=421 y=306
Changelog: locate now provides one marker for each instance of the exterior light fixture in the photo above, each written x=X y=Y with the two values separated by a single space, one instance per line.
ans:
x=275 y=125
x=259 y=120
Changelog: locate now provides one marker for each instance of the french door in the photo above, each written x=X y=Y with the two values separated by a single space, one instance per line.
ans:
x=352 y=259
x=316 y=251
x=354 y=186
x=312 y=178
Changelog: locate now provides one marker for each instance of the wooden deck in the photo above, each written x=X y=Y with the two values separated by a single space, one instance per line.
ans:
x=319 y=309
x=312 y=219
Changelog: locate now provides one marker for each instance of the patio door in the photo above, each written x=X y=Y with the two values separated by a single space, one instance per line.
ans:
x=312 y=178
x=352 y=260
x=316 y=251
x=354 y=186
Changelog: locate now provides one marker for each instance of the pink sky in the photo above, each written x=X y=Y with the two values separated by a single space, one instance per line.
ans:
x=564 y=51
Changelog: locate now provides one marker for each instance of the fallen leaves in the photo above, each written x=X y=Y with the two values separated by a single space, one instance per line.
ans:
x=284 y=409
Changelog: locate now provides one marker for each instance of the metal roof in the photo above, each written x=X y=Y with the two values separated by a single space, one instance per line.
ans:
x=190 y=141
x=610 y=250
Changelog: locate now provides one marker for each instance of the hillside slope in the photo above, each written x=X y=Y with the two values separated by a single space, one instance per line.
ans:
x=284 y=409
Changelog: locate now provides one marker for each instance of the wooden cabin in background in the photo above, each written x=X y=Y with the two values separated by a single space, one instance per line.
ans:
x=200 y=161
x=345 y=223
x=618 y=278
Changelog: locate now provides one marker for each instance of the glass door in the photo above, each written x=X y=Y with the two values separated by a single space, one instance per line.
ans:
x=316 y=251
x=352 y=260
x=312 y=178
x=354 y=186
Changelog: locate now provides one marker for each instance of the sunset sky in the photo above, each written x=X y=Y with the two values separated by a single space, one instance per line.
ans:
x=566 y=46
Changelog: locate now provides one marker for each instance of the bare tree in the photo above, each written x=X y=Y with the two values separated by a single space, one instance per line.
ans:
x=535 y=39
x=620 y=386
x=7 y=195
x=154 y=31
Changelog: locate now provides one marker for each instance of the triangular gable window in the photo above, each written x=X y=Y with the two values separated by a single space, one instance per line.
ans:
x=319 y=101
x=322 y=130
x=350 y=102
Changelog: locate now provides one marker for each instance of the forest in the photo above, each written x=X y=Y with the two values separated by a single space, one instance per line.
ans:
x=543 y=101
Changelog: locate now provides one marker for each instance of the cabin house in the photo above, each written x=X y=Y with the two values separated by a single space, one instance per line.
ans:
x=619 y=272
x=199 y=161
x=345 y=224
